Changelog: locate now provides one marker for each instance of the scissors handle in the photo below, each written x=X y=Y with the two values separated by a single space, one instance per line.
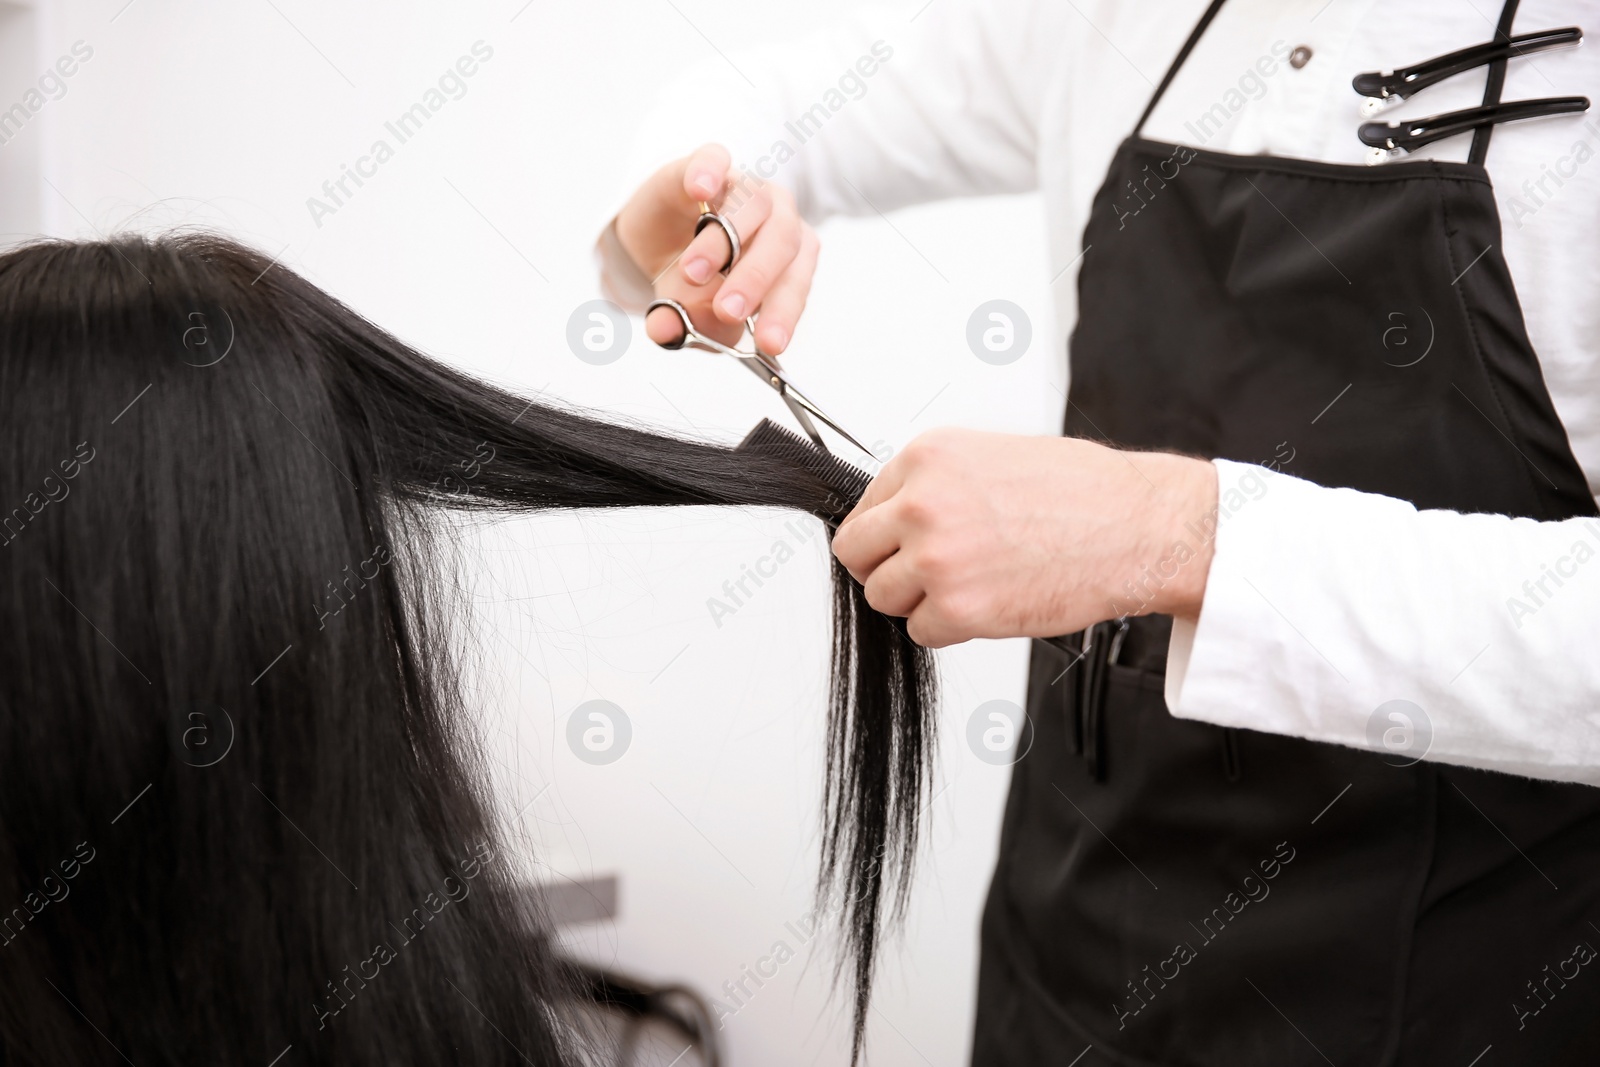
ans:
x=711 y=218
x=693 y=338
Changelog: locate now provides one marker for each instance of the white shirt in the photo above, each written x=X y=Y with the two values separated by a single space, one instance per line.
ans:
x=1322 y=604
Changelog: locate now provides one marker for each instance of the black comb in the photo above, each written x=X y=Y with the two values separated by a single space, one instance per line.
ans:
x=846 y=480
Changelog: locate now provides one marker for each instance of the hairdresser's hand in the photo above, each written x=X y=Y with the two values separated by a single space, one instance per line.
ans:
x=776 y=262
x=972 y=534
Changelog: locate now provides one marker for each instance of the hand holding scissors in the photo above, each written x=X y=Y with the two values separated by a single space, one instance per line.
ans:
x=777 y=257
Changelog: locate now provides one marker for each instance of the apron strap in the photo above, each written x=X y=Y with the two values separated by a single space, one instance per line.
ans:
x=1183 y=54
x=1496 y=82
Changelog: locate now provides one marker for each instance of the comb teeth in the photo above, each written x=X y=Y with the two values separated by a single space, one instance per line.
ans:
x=847 y=481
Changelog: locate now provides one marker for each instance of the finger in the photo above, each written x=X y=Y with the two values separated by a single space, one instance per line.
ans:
x=864 y=544
x=705 y=172
x=747 y=206
x=786 y=300
x=893 y=588
x=767 y=255
x=708 y=253
x=879 y=490
x=928 y=626
x=705 y=255
x=664 y=327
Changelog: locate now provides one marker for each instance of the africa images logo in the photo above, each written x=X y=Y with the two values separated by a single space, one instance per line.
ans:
x=1401 y=731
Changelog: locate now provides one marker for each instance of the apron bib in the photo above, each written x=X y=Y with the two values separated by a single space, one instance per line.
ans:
x=1173 y=893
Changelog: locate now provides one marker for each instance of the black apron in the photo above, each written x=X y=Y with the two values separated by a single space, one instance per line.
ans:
x=1173 y=893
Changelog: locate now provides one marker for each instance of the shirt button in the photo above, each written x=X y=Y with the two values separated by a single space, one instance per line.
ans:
x=1300 y=56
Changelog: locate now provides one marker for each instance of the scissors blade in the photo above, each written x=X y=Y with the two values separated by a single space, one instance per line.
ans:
x=799 y=403
x=801 y=406
x=798 y=410
x=793 y=396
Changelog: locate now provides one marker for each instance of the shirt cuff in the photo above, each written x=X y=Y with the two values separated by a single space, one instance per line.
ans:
x=621 y=280
x=1242 y=663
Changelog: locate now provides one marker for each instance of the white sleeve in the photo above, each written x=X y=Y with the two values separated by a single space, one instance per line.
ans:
x=877 y=113
x=1324 y=605
x=949 y=108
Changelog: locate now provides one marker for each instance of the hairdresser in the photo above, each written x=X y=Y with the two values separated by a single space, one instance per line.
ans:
x=1313 y=778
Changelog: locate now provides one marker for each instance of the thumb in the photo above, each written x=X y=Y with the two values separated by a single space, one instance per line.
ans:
x=880 y=489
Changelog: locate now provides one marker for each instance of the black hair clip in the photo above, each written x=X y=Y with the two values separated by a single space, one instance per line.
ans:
x=1383 y=89
x=1390 y=140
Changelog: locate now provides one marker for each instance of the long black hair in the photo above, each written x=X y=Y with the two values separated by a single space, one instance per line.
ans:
x=233 y=823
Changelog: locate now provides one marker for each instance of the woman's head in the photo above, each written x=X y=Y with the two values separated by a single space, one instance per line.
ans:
x=218 y=678
x=226 y=698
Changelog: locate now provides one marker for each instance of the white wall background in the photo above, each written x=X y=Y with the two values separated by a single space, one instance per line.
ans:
x=474 y=242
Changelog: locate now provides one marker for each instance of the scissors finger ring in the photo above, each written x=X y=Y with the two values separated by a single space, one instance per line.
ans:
x=710 y=218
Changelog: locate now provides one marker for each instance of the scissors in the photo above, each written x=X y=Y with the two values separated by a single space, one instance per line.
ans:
x=756 y=361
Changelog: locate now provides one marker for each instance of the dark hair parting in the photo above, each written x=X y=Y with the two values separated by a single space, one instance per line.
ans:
x=242 y=806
